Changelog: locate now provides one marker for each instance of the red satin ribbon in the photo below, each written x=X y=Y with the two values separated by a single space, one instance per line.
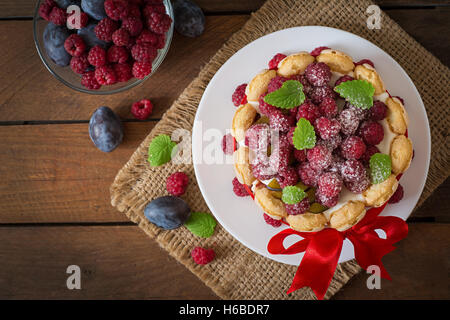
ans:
x=322 y=249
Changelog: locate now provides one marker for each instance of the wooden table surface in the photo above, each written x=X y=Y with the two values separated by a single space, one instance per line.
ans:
x=54 y=194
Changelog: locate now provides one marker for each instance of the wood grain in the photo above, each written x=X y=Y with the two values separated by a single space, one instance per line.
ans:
x=123 y=263
x=35 y=95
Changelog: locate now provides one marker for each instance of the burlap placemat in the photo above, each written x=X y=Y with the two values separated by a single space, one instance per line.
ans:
x=237 y=272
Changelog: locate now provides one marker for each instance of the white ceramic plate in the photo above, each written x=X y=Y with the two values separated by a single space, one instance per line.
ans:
x=240 y=216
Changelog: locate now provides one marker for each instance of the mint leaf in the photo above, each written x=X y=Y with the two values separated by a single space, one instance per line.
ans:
x=380 y=167
x=358 y=92
x=201 y=224
x=160 y=150
x=304 y=135
x=292 y=195
x=290 y=95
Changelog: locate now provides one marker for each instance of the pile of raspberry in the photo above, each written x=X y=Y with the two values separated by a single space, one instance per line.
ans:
x=346 y=138
x=133 y=32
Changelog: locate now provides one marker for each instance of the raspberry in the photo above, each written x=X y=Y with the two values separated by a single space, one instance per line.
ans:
x=141 y=69
x=143 y=52
x=123 y=72
x=239 y=189
x=72 y=21
x=398 y=195
x=309 y=111
x=117 y=54
x=262 y=171
x=116 y=9
x=134 y=10
x=265 y=108
x=358 y=186
x=327 y=128
x=228 y=144
x=352 y=170
x=159 y=22
x=300 y=155
x=202 y=256
x=331 y=143
x=329 y=184
x=336 y=164
x=349 y=121
x=257 y=137
x=74 y=45
x=177 y=182
x=89 y=81
x=287 y=177
x=378 y=111
x=307 y=87
x=273 y=63
x=150 y=8
x=325 y=200
x=317 y=51
x=365 y=61
x=121 y=37
x=58 y=16
x=308 y=175
x=79 y=64
x=343 y=79
x=147 y=37
x=372 y=132
x=97 y=56
x=280 y=157
x=370 y=151
x=105 y=75
x=297 y=208
x=105 y=29
x=318 y=74
x=319 y=157
x=142 y=110
x=44 y=11
x=161 y=41
x=360 y=113
x=353 y=147
x=280 y=122
x=328 y=107
x=239 y=95
x=320 y=93
x=273 y=222
x=133 y=25
x=276 y=83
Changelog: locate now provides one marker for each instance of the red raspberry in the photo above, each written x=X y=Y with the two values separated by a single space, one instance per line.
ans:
x=228 y=144
x=44 y=11
x=273 y=222
x=276 y=83
x=97 y=56
x=308 y=174
x=202 y=256
x=336 y=164
x=317 y=51
x=133 y=25
x=121 y=37
x=327 y=128
x=141 y=69
x=130 y=44
x=360 y=113
x=353 y=147
x=280 y=157
x=74 y=45
x=280 y=122
x=58 y=16
x=161 y=41
x=325 y=200
x=318 y=74
x=143 y=52
x=147 y=37
x=328 y=107
x=134 y=10
x=116 y=9
x=358 y=186
x=150 y=8
x=349 y=121
x=273 y=63
x=265 y=108
x=331 y=143
x=378 y=111
x=105 y=75
x=307 y=87
x=257 y=137
x=300 y=155
x=117 y=54
x=309 y=111
x=365 y=61
x=370 y=151
x=159 y=22
x=89 y=81
x=142 y=110
x=290 y=136
x=372 y=132
x=320 y=93
x=262 y=171
x=329 y=184
x=287 y=177
x=297 y=208
x=398 y=195
x=352 y=170
x=177 y=182
x=79 y=64
x=342 y=79
x=72 y=21
x=319 y=157
x=239 y=95
x=123 y=72
x=239 y=189
x=105 y=29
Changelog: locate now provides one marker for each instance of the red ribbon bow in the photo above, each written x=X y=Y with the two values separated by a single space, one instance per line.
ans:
x=323 y=248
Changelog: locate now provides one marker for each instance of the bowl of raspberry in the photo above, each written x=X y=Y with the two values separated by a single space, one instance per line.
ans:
x=102 y=46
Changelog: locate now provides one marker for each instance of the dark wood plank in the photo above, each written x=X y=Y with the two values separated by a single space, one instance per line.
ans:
x=54 y=173
x=122 y=262
x=34 y=94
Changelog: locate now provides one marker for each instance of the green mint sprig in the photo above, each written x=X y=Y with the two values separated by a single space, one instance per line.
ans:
x=358 y=92
x=292 y=195
x=304 y=136
x=289 y=96
x=160 y=150
x=380 y=167
x=201 y=224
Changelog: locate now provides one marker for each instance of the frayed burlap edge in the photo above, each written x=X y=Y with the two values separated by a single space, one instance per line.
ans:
x=237 y=272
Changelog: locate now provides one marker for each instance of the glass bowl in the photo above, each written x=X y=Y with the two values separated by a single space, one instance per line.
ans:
x=73 y=80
